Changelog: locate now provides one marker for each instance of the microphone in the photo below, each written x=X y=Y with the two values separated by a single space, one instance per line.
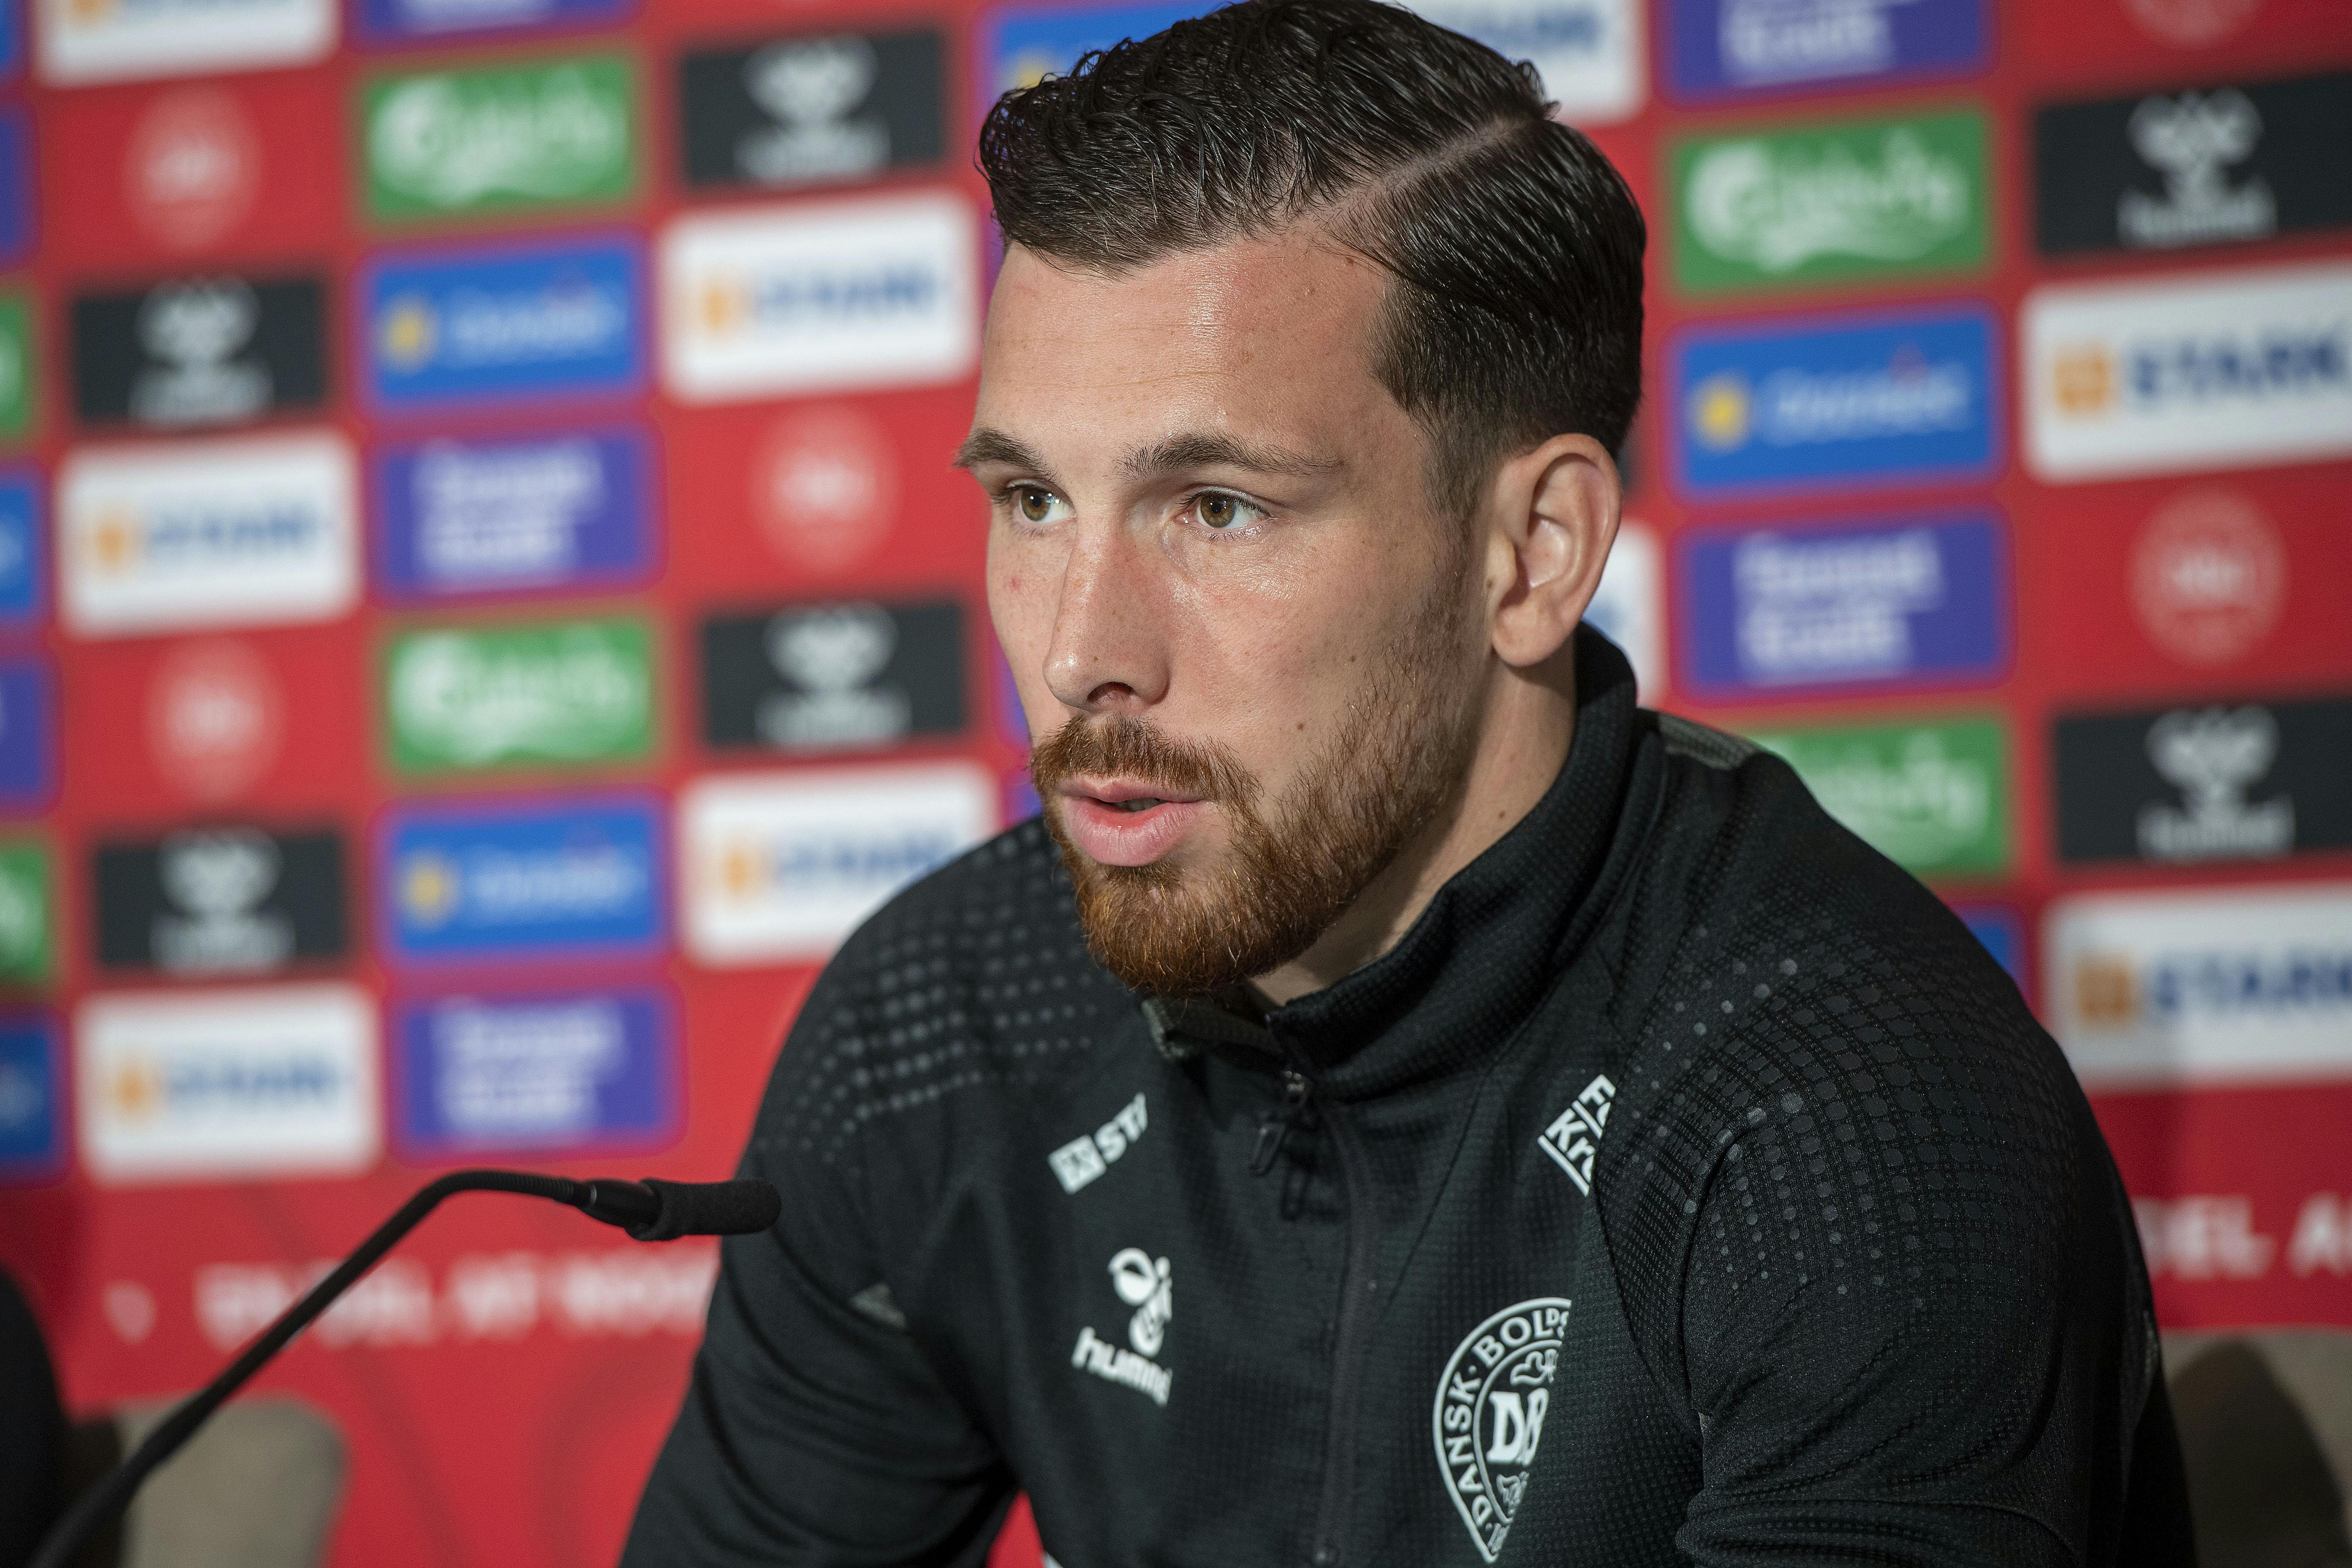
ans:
x=650 y=1210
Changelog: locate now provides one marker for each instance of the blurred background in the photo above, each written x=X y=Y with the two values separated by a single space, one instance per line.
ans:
x=483 y=611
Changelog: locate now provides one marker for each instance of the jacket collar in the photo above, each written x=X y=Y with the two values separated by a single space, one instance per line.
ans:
x=1490 y=943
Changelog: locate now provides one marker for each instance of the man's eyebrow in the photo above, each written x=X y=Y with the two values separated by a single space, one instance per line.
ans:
x=1211 y=450
x=987 y=446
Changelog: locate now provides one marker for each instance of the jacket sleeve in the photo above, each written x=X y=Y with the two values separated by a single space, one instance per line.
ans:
x=814 y=1431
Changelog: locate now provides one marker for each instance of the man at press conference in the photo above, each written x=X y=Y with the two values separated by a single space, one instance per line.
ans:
x=1402 y=1102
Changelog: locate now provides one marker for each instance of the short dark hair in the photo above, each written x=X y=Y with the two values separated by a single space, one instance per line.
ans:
x=1516 y=314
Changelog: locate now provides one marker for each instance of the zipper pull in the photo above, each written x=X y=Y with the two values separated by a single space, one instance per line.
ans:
x=1275 y=1126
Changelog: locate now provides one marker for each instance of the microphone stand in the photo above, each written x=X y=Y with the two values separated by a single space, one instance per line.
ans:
x=652 y=1210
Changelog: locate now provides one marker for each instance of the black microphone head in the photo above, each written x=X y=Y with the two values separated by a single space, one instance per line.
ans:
x=710 y=1208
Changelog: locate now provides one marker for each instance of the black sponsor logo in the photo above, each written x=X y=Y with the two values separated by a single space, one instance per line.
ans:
x=220 y=900
x=808 y=109
x=813 y=678
x=200 y=351
x=2207 y=165
x=2227 y=781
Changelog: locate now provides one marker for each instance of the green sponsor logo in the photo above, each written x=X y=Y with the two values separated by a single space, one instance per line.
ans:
x=16 y=369
x=561 y=692
x=1861 y=198
x=554 y=132
x=26 y=920
x=1934 y=798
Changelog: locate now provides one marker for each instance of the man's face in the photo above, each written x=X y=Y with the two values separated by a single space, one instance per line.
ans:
x=1246 y=642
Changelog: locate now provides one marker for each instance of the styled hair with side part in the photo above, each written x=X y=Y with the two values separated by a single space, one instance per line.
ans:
x=1515 y=248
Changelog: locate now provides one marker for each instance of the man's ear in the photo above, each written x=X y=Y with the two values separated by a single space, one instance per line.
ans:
x=1553 y=516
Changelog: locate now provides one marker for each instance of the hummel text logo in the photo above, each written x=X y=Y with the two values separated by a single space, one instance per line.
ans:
x=1573 y=1139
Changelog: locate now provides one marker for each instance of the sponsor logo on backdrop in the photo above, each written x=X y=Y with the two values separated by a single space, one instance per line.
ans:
x=32 y=1101
x=1721 y=48
x=1888 y=601
x=1998 y=927
x=553 y=132
x=2187 y=23
x=1492 y=1399
x=1589 y=51
x=2208 y=370
x=2228 y=781
x=806 y=108
x=563 y=879
x=814 y=678
x=243 y=531
x=2209 y=576
x=192 y=169
x=28 y=733
x=1931 y=796
x=865 y=291
x=199 y=1085
x=824 y=486
x=200 y=351
x=511 y=321
x=16 y=186
x=28 y=914
x=556 y=692
x=17 y=367
x=23 y=555
x=81 y=41
x=215 y=720
x=2145 y=989
x=1858 y=199
x=1838 y=400
x=575 y=1070
x=1629 y=608
x=498 y=515
x=1024 y=44
x=780 y=867
x=391 y=20
x=2206 y=166
x=219 y=900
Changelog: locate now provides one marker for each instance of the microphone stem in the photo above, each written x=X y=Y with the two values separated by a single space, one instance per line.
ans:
x=94 y=1507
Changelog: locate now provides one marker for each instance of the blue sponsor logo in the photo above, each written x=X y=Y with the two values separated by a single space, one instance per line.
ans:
x=1023 y=43
x=548 y=882
x=515 y=322
x=1897 y=600
x=575 y=1070
x=32 y=1101
x=1721 y=48
x=23 y=559
x=392 y=21
x=1996 y=926
x=537 y=512
x=1837 y=400
x=28 y=734
x=16 y=186
x=12 y=37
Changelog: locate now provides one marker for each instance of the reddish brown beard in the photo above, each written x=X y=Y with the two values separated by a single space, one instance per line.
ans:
x=1396 y=765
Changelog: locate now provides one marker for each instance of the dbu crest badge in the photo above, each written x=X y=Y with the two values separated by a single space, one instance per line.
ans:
x=1490 y=1410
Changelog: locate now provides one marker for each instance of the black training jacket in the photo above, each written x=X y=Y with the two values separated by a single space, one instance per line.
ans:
x=1687 y=1184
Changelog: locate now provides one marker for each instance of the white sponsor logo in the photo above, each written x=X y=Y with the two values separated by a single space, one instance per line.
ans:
x=2190 y=23
x=831 y=655
x=1589 y=51
x=246 y=531
x=2206 y=371
x=780 y=867
x=123 y=40
x=1775 y=209
x=525 y=1071
x=2213 y=755
x=2201 y=1237
x=870 y=291
x=218 y=878
x=2209 y=576
x=215 y=719
x=1492 y=1401
x=809 y=86
x=193 y=333
x=506 y=514
x=2193 y=139
x=1081 y=1160
x=2233 y=984
x=824 y=486
x=183 y=1085
x=193 y=167
x=1573 y=1139
x=1142 y=1282
x=1629 y=607
x=1813 y=609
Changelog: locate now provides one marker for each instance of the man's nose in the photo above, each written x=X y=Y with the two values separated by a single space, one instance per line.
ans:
x=1108 y=655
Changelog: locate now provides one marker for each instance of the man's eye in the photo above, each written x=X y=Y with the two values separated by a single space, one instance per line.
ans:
x=1037 y=505
x=1220 y=512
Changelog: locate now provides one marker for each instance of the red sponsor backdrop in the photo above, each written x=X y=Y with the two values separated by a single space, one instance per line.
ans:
x=504 y=1383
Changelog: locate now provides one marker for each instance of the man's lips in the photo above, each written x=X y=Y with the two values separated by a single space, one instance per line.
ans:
x=1127 y=822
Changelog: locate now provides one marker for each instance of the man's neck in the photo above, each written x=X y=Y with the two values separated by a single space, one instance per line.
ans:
x=1523 y=739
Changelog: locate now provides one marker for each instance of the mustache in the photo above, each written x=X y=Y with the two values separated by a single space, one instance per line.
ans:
x=1127 y=747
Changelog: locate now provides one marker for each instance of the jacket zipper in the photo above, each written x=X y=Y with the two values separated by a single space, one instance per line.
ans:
x=1358 y=1289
